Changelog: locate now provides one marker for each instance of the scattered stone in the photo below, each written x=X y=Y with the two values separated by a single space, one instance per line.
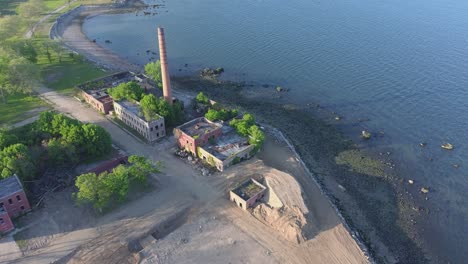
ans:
x=190 y=158
x=425 y=189
x=366 y=134
x=94 y=40
x=410 y=181
x=447 y=146
x=210 y=73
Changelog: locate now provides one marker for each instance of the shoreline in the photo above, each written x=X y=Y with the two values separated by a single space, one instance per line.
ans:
x=321 y=173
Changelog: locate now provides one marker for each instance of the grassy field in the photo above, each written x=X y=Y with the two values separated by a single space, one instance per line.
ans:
x=20 y=107
x=64 y=76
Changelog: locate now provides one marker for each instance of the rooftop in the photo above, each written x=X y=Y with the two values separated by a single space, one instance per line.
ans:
x=134 y=108
x=9 y=186
x=198 y=126
x=230 y=143
x=107 y=81
x=249 y=189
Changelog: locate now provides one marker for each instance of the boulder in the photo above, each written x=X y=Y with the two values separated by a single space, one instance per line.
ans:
x=366 y=134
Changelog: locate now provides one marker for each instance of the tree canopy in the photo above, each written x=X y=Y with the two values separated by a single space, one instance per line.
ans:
x=17 y=74
x=202 y=98
x=246 y=127
x=152 y=106
x=101 y=190
x=53 y=140
x=153 y=70
x=223 y=114
x=130 y=91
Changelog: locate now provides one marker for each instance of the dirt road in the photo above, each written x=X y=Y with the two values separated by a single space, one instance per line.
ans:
x=182 y=187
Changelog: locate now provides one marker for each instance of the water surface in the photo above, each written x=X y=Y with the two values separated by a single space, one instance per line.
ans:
x=402 y=64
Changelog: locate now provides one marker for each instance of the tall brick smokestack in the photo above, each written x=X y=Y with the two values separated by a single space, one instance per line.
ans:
x=166 y=81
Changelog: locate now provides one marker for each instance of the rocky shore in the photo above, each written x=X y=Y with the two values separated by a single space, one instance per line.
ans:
x=363 y=189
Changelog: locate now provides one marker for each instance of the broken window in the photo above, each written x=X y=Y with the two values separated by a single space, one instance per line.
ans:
x=18 y=197
x=10 y=201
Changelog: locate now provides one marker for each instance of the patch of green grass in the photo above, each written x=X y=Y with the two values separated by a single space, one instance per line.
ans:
x=20 y=107
x=54 y=4
x=64 y=76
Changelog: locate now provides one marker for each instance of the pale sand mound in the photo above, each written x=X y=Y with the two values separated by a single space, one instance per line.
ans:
x=287 y=221
x=286 y=208
x=286 y=188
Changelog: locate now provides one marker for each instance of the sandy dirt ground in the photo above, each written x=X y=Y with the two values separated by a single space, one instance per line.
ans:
x=210 y=225
x=187 y=218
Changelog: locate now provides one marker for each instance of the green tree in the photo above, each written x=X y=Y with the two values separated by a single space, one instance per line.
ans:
x=98 y=141
x=24 y=48
x=153 y=70
x=257 y=137
x=202 y=98
x=88 y=185
x=16 y=159
x=17 y=75
x=9 y=27
x=29 y=11
x=130 y=91
x=60 y=152
x=101 y=190
x=141 y=168
x=7 y=139
x=149 y=106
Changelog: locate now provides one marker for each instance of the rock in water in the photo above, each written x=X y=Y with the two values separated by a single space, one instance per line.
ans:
x=366 y=134
x=425 y=190
x=447 y=146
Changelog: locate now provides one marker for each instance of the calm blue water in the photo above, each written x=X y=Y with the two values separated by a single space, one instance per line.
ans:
x=403 y=64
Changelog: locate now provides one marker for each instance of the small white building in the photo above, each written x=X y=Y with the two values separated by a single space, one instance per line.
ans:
x=130 y=114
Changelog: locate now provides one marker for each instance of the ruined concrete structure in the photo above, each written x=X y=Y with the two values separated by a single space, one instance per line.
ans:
x=98 y=99
x=196 y=133
x=95 y=92
x=166 y=80
x=228 y=149
x=218 y=145
x=13 y=202
x=130 y=114
x=247 y=194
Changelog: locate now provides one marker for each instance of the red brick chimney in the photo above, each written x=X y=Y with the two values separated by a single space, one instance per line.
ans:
x=166 y=81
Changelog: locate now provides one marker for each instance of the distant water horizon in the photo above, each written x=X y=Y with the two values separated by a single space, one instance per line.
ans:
x=401 y=64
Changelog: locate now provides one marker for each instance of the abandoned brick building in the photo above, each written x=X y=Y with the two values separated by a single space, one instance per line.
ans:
x=13 y=202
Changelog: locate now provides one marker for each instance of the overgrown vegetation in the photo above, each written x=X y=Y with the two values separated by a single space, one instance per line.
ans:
x=153 y=70
x=130 y=91
x=152 y=106
x=53 y=140
x=223 y=114
x=107 y=189
x=24 y=62
x=202 y=98
x=246 y=127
